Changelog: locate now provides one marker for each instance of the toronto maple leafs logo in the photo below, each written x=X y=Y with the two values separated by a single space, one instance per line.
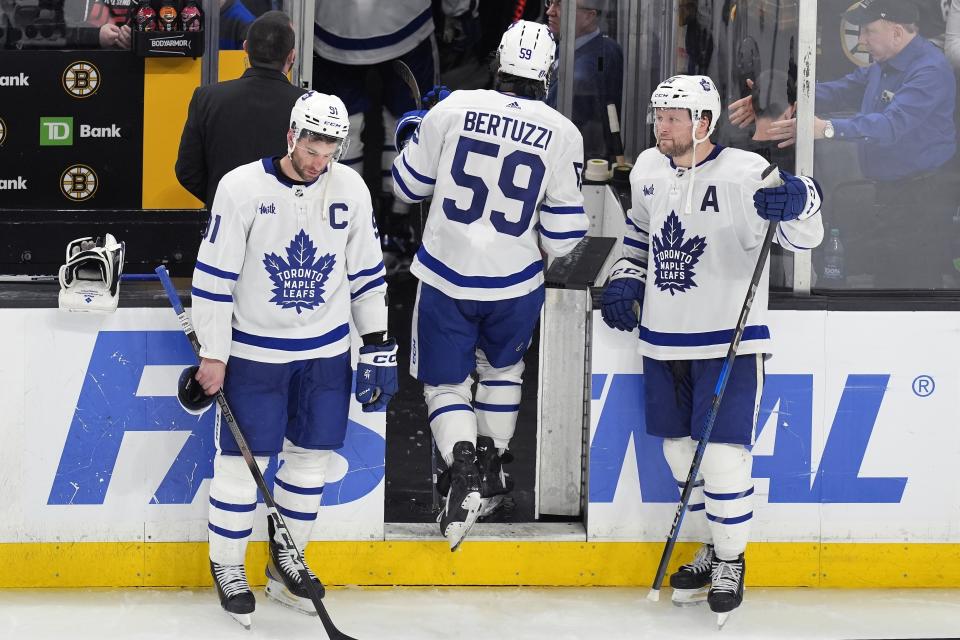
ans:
x=298 y=281
x=648 y=191
x=674 y=258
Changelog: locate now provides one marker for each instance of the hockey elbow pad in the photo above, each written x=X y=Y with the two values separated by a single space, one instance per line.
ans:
x=622 y=301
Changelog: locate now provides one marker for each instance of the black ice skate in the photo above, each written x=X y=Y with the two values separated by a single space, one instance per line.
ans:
x=494 y=483
x=463 y=500
x=284 y=584
x=234 y=591
x=692 y=581
x=726 y=594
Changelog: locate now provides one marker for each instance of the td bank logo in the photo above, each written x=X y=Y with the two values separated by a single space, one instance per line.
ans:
x=59 y=131
x=56 y=132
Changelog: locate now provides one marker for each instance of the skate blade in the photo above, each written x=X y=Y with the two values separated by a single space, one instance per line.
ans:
x=279 y=593
x=689 y=597
x=243 y=618
x=722 y=619
x=488 y=506
x=457 y=531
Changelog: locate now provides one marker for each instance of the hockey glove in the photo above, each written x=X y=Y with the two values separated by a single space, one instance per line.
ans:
x=191 y=395
x=377 y=375
x=784 y=203
x=407 y=126
x=623 y=297
x=435 y=95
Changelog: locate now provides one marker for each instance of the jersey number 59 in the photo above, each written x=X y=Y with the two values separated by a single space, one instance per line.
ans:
x=528 y=195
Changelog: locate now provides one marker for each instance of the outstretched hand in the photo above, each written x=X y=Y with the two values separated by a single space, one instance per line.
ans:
x=741 y=111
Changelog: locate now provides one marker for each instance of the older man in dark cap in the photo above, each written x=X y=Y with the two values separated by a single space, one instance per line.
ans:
x=902 y=122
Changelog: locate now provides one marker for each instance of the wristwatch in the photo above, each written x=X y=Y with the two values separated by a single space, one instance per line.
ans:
x=828 y=130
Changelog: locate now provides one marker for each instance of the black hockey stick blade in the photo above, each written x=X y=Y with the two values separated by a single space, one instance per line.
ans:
x=766 y=180
x=285 y=539
x=408 y=78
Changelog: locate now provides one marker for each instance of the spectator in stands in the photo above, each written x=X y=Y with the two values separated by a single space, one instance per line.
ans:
x=235 y=122
x=597 y=75
x=55 y=24
x=905 y=138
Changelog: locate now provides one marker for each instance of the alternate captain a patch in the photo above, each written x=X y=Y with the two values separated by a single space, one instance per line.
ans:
x=674 y=257
x=299 y=279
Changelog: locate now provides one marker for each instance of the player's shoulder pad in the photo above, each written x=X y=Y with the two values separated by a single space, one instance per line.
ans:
x=241 y=177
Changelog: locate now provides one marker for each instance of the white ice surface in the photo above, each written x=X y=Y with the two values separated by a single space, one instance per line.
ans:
x=482 y=613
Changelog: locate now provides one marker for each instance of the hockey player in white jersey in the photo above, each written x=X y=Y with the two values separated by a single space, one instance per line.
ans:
x=355 y=37
x=504 y=172
x=692 y=241
x=290 y=255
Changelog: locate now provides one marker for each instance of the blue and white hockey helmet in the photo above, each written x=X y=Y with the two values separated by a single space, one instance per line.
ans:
x=697 y=94
x=527 y=49
x=322 y=114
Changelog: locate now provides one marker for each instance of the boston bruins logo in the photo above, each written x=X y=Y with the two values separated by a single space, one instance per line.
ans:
x=78 y=183
x=3 y=131
x=81 y=79
x=850 y=41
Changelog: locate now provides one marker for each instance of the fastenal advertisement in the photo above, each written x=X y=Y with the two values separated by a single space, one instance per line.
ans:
x=106 y=453
x=856 y=440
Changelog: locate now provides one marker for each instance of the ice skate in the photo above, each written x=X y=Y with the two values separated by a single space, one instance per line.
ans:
x=284 y=584
x=691 y=582
x=726 y=594
x=494 y=483
x=236 y=598
x=463 y=500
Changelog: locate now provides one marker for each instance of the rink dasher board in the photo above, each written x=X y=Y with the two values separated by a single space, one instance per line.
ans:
x=856 y=438
x=133 y=532
x=97 y=448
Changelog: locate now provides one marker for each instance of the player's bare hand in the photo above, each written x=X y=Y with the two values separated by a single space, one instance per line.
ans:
x=108 y=35
x=211 y=375
x=785 y=131
x=741 y=112
x=124 y=37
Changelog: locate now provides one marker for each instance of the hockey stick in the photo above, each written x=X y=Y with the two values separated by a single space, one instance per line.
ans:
x=408 y=78
x=281 y=534
x=654 y=594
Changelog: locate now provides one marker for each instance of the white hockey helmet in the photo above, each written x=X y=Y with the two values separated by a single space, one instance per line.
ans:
x=527 y=50
x=322 y=114
x=697 y=94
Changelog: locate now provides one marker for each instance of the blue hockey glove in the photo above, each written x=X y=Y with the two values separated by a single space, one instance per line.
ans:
x=623 y=292
x=407 y=125
x=377 y=375
x=783 y=203
x=435 y=95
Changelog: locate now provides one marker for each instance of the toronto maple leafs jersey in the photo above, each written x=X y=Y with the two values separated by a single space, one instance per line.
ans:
x=283 y=266
x=504 y=173
x=699 y=265
x=370 y=31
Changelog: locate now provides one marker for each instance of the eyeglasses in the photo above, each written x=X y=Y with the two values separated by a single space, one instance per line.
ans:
x=549 y=4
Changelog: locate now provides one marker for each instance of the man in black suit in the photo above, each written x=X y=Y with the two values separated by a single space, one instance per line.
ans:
x=235 y=122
